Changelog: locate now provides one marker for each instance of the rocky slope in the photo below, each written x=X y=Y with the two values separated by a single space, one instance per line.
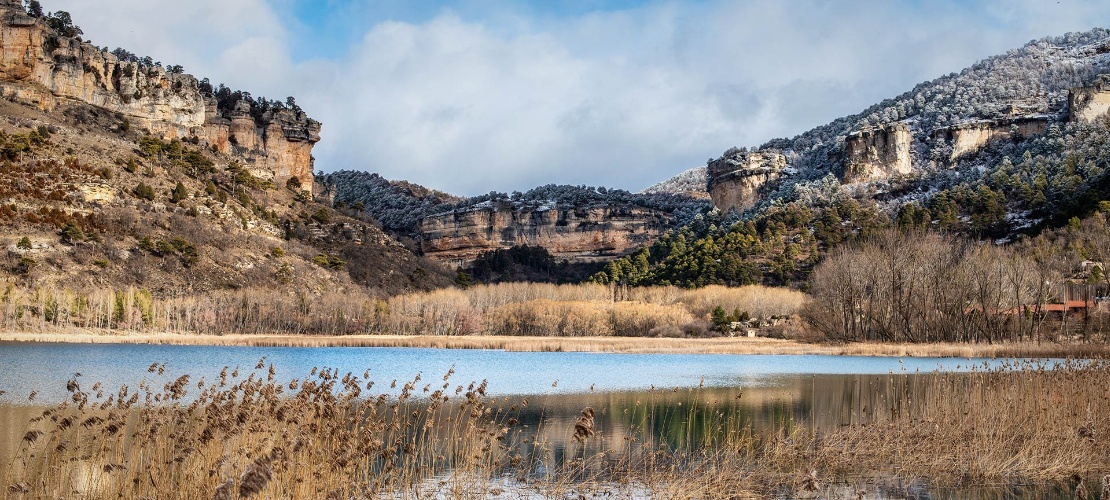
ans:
x=44 y=67
x=999 y=152
x=582 y=234
x=578 y=224
x=117 y=174
x=903 y=143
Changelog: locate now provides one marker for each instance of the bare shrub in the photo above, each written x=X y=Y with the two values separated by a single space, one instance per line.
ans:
x=546 y=317
x=637 y=319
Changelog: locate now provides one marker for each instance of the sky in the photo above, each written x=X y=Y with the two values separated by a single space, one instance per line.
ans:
x=479 y=95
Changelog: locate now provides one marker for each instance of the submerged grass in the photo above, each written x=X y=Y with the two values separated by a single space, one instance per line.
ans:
x=330 y=436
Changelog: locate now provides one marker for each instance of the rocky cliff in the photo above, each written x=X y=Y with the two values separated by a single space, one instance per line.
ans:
x=41 y=66
x=944 y=124
x=877 y=153
x=968 y=138
x=736 y=180
x=1090 y=102
x=577 y=235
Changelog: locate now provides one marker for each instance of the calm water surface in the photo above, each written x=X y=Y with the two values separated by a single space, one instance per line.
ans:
x=651 y=399
x=45 y=368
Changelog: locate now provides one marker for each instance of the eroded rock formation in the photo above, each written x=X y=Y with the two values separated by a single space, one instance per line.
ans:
x=878 y=153
x=41 y=67
x=968 y=138
x=576 y=234
x=1087 y=103
x=736 y=180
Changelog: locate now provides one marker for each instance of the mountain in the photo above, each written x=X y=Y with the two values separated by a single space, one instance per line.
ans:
x=938 y=135
x=117 y=173
x=1004 y=149
x=578 y=224
x=690 y=183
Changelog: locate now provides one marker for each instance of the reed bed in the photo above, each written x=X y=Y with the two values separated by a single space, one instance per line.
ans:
x=1018 y=424
x=246 y=435
x=503 y=309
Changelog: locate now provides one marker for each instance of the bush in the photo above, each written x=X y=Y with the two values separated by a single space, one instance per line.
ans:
x=179 y=193
x=636 y=319
x=25 y=265
x=329 y=261
x=550 y=318
x=24 y=243
x=144 y=191
x=322 y=216
x=72 y=234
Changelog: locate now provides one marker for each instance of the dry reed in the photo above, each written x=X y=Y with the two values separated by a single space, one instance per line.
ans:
x=541 y=309
x=329 y=436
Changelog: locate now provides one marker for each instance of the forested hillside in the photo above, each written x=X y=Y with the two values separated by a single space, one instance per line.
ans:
x=994 y=153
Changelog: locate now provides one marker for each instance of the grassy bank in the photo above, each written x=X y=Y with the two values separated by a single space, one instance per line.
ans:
x=245 y=435
x=644 y=345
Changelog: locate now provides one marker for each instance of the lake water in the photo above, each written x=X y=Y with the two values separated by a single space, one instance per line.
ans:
x=46 y=368
x=652 y=396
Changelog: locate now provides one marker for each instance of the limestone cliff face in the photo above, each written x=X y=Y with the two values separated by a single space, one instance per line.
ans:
x=878 y=153
x=735 y=181
x=968 y=138
x=43 y=68
x=578 y=235
x=1087 y=103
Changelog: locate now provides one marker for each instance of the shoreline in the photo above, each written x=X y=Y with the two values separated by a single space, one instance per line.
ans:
x=629 y=345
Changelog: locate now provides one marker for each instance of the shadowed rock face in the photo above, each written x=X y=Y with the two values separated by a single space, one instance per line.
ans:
x=736 y=180
x=40 y=67
x=577 y=235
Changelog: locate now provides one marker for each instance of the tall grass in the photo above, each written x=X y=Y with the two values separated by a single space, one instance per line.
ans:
x=502 y=309
x=330 y=436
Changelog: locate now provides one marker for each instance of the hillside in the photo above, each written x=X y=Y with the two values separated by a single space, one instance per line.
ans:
x=688 y=183
x=578 y=224
x=1002 y=150
x=119 y=174
x=941 y=134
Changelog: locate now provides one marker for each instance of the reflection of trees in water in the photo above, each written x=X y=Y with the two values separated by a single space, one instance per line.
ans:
x=630 y=423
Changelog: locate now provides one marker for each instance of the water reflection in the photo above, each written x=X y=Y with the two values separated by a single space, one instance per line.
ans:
x=690 y=418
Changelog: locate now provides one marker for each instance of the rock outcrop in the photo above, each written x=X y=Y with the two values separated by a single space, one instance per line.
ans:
x=41 y=67
x=736 y=180
x=575 y=234
x=878 y=153
x=967 y=138
x=1087 y=103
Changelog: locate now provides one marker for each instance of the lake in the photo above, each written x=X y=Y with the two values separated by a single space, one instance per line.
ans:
x=649 y=399
x=45 y=367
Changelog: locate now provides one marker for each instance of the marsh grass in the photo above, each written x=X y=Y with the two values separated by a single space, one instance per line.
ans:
x=245 y=435
x=537 y=309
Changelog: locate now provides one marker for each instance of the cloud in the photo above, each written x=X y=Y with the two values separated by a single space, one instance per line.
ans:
x=482 y=98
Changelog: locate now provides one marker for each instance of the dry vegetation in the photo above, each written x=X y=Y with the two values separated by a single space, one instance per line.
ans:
x=87 y=205
x=581 y=310
x=916 y=287
x=249 y=435
x=504 y=309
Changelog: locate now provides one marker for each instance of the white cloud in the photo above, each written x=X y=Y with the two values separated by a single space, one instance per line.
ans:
x=473 y=101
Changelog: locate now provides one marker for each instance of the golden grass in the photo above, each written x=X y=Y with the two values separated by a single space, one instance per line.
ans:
x=645 y=345
x=756 y=300
x=328 y=436
x=501 y=309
